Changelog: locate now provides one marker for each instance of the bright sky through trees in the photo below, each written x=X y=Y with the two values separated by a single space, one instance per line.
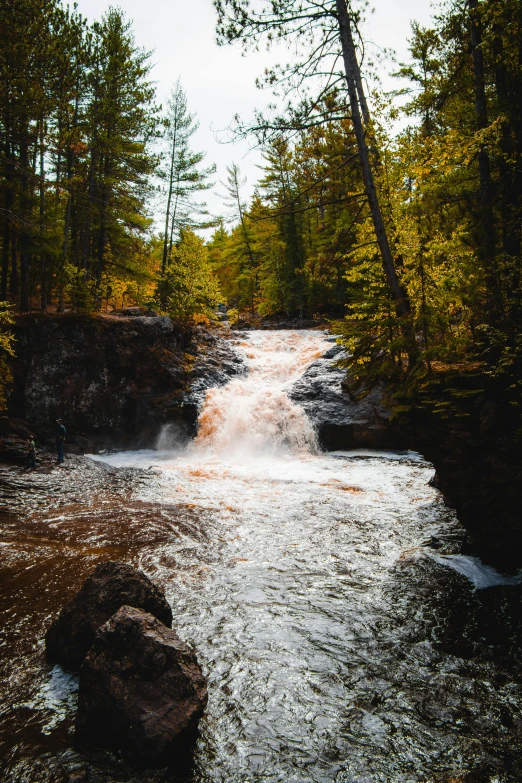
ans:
x=219 y=82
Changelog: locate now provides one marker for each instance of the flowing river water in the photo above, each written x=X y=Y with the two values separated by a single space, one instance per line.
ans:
x=344 y=636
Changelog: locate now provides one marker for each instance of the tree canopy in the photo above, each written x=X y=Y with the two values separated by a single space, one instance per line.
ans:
x=84 y=150
x=412 y=241
x=449 y=187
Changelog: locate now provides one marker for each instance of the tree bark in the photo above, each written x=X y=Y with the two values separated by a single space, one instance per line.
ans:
x=102 y=237
x=5 y=243
x=14 y=282
x=509 y=192
x=488 y=250
x=351 y=67
x=25 y=220
x=248 y=247
x=173 y=224
x=43 y=258
x=166 y=243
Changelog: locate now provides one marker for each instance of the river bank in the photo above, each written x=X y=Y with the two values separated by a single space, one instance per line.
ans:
x=57 y=523
x=467 y=422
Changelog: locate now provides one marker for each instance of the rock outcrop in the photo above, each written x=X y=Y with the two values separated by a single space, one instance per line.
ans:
x=274 y=322
x=115 y=379
x=341 y=419
x=141 y=690
x=110 y=586
x=464 y=424
x=14 y=434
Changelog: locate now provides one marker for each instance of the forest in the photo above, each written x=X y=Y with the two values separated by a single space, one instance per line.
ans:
x=409 y=240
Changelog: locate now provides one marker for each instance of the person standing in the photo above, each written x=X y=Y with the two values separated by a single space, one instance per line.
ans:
x=31 y=453
x=61 y=432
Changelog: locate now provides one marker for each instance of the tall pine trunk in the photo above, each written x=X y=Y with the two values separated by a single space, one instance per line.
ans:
x=6 y=236
x=14 y=285
x=167 y=245
x=24 y=223
x=488 y=241
x=353 y=79
x=43 y=257
x=8 y=203
x=509 y=183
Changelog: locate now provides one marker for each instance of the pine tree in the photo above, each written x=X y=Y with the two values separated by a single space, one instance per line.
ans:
x=237 y=213
x=323 y=35
x=184 y=178
x=188 y=288
x=122 y=121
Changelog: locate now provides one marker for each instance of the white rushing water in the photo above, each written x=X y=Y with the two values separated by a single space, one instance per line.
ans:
x=478 y=573
x=297 y=577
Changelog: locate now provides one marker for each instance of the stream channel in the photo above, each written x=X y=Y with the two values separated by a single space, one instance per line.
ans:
x=344 y=637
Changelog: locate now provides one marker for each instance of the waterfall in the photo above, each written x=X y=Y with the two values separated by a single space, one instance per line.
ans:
x=254 y=415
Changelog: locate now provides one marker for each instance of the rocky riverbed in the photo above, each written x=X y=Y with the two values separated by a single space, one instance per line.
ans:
x=135 y=379
x=342 y=419
x=423 y=686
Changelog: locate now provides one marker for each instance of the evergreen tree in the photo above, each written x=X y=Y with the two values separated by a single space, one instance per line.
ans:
x=121 y=121
x=243 y=250
x=185 y=178
x=323 y=34
x=188 y=288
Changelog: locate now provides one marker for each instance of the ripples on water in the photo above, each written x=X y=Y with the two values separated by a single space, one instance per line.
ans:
x=315 y=587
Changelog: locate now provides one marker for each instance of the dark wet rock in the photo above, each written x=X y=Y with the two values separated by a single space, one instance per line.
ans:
x=134 y=312
x=276 y=322
x=110 y=378
x=474 y=442
x=141 y=690
x=114 y=379
x=78 y=776
x=16 y=427
x=435 y=482
x=13 y=448
x=111 y=585
x=14 y=434
x=499 y=619
x=342 y=420
x=216 y=362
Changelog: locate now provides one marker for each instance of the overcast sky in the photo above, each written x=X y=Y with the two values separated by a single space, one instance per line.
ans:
x=219 y=81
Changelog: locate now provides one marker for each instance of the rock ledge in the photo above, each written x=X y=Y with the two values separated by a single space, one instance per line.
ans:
x=111 y=585
x=141 y=690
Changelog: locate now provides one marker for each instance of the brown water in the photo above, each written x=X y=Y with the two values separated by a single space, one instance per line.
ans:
x=321 y=591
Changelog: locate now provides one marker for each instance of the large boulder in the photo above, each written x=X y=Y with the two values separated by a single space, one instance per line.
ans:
x=112 y=584
x=141 y=690
x=342 y=419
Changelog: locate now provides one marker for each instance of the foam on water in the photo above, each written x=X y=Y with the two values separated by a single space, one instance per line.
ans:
x=478 y=573
x=57 y=696
x=254 y=415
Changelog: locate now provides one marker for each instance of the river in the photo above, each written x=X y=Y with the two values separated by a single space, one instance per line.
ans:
x=344 y=636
